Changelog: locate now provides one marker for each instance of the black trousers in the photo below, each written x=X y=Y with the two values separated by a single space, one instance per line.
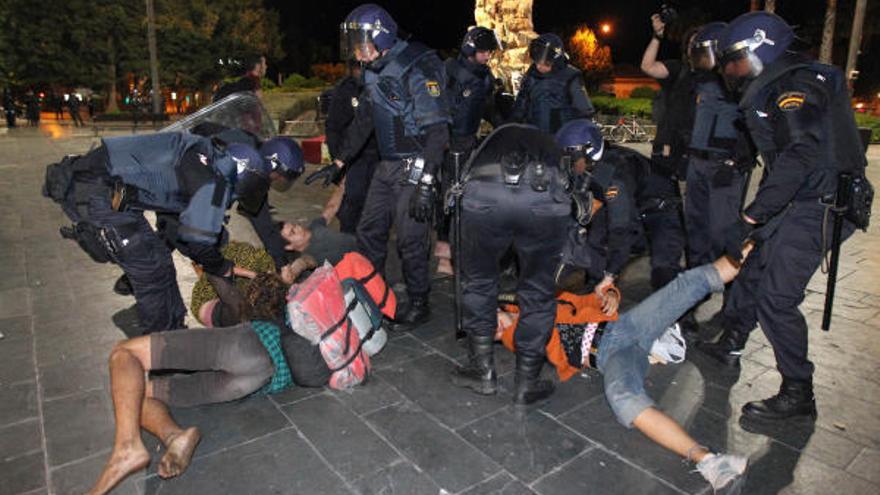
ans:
x=709 y=209
x=494 y=218
x=357 y=184
x=146 y=260
x=772 y=283
x=663 y=224
x=387 y=205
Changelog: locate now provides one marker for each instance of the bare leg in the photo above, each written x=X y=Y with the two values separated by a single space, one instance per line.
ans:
x=179 y=443
x=664 y=431
x=127 y=388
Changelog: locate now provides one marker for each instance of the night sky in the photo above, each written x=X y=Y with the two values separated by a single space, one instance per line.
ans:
x=310 y=28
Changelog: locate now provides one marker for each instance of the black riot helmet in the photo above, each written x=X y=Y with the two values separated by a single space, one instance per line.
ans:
x=479 y=39
x=548 y=49
x=703 y=53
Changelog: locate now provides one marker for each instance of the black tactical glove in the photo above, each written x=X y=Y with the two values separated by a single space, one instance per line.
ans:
x=421 y=204
x=330 y=173
x=734 y=236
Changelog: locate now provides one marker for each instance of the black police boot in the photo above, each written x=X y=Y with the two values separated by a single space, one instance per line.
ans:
x=727 y=349
x=123 y=286
x=479 y=374
x=418 y=311
x=794 y=400
x=528 y=388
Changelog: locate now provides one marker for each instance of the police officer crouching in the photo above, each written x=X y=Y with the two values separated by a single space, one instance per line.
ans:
x=515 y=196
x=106 y=192
x=405 y=84
x=633 y=205
x=552 y=91
x=798 y=114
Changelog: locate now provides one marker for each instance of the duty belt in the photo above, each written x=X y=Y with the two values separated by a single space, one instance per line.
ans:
x=716 y=156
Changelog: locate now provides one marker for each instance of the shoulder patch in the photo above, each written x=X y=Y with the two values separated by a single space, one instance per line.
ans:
x=790 y=101
x=611 y=193
x=433 y=88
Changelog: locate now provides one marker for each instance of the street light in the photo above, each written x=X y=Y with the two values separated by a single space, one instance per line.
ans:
x=605 y=28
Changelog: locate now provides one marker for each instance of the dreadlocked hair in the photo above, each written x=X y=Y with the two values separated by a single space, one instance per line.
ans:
x=266 y=297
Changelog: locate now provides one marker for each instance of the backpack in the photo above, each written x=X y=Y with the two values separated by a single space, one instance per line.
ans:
x=340 y=310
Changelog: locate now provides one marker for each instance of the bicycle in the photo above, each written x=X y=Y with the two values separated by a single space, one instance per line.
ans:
x=629 y=129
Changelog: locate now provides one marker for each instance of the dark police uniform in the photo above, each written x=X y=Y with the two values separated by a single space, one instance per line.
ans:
x=716 y=175
x=548 y=101
x=345 y=103
x=637 y=204
x=799 y=115
x=530 y=215
x=470 y=88
x=410 y=117
x=172 y=173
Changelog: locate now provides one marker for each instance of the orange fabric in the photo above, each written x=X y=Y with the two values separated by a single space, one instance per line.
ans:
x=356 y=266
x=586 y=309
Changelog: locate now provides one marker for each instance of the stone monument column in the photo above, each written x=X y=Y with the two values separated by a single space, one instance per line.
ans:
x=512 y=21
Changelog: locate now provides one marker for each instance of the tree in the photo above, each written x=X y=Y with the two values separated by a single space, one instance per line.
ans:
x=825 y=53
x=593 y=58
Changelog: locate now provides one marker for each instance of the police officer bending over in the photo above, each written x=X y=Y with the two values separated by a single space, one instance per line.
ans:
x=410 y=116
x=632 y=206
x=106 y=191
x=798 y=113
x=552 y=92
x=514 y=196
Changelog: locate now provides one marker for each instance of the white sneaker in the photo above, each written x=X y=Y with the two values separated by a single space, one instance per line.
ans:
x=725 y=472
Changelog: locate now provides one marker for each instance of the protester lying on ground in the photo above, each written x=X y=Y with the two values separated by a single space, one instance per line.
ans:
x=262 y=353
x=316 y=238
x=216 y=301
x=620 y=346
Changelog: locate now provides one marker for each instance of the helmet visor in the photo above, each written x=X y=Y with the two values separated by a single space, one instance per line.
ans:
x=703 y=56
x=355 y=41
x=739 y=65
x=251 y=191
x=542 y=52
x=486 y=41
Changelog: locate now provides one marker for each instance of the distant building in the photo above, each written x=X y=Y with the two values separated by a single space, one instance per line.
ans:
x=625 y=78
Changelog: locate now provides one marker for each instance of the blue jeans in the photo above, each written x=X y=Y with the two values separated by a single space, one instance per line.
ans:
x=626 y=343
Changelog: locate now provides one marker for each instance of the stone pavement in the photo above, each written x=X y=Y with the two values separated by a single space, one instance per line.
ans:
x=408 y=431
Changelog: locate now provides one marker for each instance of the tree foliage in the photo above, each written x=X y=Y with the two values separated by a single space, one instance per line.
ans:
x=98 y=43
x=592 y=57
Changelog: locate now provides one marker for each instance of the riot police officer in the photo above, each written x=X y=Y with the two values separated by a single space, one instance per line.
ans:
x=106 y=191
x=633 y=202
x=719 y=155
x=345 y=102
x=471 y=88
x=514 y=196
x=285 y=158
x=552 y=91
x=798 y=113
x=405 y=84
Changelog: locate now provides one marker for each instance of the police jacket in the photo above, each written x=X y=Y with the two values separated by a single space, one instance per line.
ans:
x=346 y=101
x=715 y=117
x=470 y=89
x=798 y=114
x=619 y=181
x=179 y=173
x=410 y=113
x=548 y=101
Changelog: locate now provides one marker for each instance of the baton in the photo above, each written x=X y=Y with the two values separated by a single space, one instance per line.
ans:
x=840 y=201
x=456 y=244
